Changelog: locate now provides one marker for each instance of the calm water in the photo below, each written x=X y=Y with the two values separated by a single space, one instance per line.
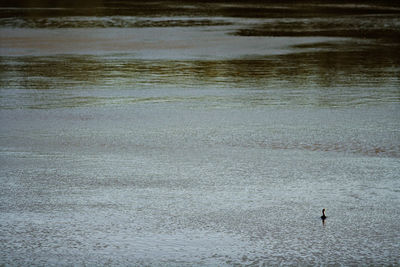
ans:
x=207 y=134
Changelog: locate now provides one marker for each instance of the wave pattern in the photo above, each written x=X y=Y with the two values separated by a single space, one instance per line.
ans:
x=371 y=150
x=106 y=22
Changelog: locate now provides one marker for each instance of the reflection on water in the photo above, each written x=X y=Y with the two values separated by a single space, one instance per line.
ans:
x=247 y=9
x=341 y=76
x=379 y=27
x=107 y=22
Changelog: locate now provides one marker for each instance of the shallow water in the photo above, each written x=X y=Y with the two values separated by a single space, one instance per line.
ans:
x=183 y=135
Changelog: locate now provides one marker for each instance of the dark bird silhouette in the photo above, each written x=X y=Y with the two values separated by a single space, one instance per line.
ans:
x=323 y=217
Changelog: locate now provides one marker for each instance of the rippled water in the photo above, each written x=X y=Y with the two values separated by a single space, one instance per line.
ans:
x=199 y=134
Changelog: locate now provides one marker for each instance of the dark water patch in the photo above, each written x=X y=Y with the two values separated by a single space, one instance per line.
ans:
x=323 y=76
x=35 y=72
x=367 y=33
x=300 y=10
x=92 y=9
x=105 y=22
x=320 y=45
x=324 y=64
x=241 y=9
x=371 y=27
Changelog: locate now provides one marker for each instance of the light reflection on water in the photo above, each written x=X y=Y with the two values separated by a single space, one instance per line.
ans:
x=325 y=69
x=187 y=157
x=325 y=79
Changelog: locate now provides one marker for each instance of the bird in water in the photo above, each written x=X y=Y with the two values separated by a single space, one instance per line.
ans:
x=323 y=217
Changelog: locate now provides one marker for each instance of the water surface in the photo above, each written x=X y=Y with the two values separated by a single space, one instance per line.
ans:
x=199 y=133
